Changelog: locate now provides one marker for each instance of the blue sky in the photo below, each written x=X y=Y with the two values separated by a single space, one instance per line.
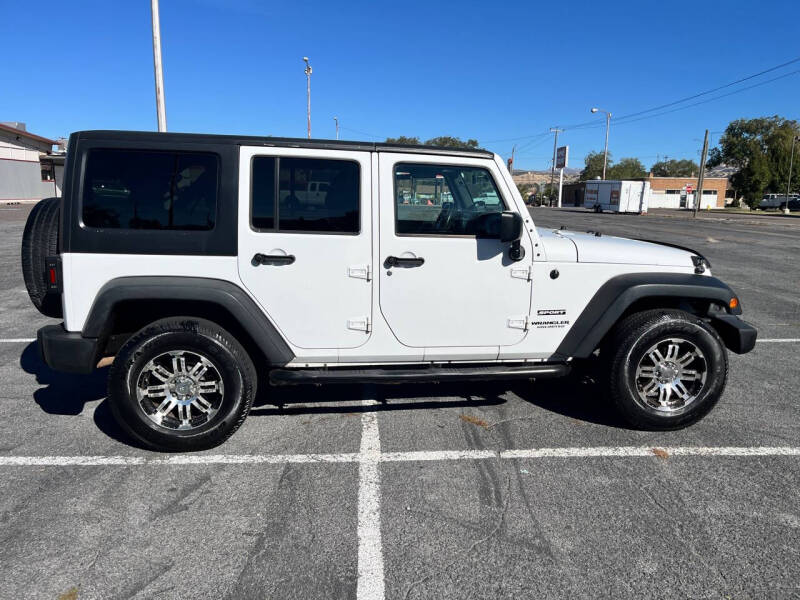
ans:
x=491 y=71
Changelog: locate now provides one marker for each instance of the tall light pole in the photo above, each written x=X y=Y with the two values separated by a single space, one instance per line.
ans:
x=161 y=111
x=336 y=120
x=608 y=124
x=308 y=93
x=698 y=195
x=791 y=165
x=555 y=130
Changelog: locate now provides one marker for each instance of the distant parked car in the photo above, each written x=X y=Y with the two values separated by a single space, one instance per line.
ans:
x=794 y=204
x=776 y=201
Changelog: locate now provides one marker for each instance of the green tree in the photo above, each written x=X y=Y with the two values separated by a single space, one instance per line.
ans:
x=627 y=168
x=403 y=141
x=593 y=168
x=760 y=148
x=447 y=141
x=525 y=190
x=675 y=168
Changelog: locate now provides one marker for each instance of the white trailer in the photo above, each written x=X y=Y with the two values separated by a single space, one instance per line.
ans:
x=617 y=196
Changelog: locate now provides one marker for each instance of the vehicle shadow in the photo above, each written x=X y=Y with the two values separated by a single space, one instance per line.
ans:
x=339 y=398
x=577 y=396
x=67 y=393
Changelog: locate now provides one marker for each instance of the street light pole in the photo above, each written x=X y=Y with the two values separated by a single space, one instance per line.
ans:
x=336 y=120
x=161 y=111
x=555 y=130
x=789 y=184
x=608 y=126
x=698 y=195
x=308 y=93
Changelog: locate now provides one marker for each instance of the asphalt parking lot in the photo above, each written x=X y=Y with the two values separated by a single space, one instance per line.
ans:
x=420 y=491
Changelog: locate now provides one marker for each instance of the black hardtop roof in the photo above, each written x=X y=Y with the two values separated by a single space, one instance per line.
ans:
x=249 y=140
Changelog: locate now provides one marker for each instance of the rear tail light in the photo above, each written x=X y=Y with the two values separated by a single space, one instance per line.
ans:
x=53 y=274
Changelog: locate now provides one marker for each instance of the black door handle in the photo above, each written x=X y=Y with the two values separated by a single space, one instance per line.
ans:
x=397 y=261
x=273 y=259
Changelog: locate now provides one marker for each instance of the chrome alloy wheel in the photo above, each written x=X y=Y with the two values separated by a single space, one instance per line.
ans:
x=180 y=390
x=670 y=375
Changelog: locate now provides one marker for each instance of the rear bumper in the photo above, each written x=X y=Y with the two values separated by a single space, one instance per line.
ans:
x=66 y=351
x=739 y=336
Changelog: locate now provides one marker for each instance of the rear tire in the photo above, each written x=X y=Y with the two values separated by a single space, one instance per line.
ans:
x=667 y=369
x=181 y=384
x=40 y=240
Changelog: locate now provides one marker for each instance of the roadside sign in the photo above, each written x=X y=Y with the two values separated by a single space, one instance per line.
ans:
x=561 y=157
x=688 y=189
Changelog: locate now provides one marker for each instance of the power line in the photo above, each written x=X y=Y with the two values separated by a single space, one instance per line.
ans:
x=744 y=89
x=711 y=91
x=627 y=118
x=524 y=137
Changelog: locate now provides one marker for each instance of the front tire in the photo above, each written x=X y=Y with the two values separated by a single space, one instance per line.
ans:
x=667 y=369
x=181 y=384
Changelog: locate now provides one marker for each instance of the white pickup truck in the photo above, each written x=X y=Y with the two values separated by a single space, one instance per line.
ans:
x=200 y=264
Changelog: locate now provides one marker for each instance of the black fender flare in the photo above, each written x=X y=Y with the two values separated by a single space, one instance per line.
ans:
x=617 y=294
x=214 y=291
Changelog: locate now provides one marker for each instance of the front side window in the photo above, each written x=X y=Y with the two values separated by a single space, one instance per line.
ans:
x=443 y=199
x=305 y=195
x=134 y=189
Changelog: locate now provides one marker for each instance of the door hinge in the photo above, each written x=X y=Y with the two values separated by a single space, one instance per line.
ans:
x=359 y=324
x=360 y=272
x=522 y=273
x=518 y=323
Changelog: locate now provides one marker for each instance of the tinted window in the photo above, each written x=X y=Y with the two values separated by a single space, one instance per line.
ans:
x=443 y=199
x=263 y=192
x=313 y=195
x=132 y=189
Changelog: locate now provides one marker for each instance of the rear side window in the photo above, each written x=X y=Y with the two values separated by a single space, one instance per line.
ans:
x=135 y=189
x=305 y=195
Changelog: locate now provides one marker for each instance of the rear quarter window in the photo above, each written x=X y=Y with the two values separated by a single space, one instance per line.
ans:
x=140 y=189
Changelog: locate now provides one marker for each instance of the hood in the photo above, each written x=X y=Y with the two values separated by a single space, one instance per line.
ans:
x=608 y=249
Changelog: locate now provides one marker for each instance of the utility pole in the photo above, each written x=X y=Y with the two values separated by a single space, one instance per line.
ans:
x=161 y=111
x=555 y=130
x=608 y=126
x=308 y=93
x=699 y=194
x=511 y=162
x=336 y=120
x=789 y=184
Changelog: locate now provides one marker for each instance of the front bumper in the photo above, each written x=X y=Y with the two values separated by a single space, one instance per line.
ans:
x=67 y=351
x=739 y=336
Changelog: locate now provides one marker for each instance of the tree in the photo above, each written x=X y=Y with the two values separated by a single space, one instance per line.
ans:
x=675 y=168
x=760 y=149
x=447 y=141
x=525 y=190
x=627 y=168
x=594 y=165
x=403 y=141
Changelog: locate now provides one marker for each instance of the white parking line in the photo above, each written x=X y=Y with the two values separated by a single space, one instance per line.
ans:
x=370 y=454
x=17 y=340
x=189 y=459
x=370 y=552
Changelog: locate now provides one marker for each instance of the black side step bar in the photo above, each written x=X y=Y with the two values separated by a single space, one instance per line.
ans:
x=410 y=374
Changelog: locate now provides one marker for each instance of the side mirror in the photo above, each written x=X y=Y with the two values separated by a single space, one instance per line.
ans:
x=510 y=227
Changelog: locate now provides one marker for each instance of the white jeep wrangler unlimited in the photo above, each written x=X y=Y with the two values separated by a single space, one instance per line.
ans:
x=206 y=263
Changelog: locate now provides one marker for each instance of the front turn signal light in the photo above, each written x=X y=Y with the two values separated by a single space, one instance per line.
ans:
x=733 y=303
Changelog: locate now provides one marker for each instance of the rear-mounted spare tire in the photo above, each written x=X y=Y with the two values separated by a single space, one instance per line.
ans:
x=40 y=240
